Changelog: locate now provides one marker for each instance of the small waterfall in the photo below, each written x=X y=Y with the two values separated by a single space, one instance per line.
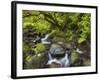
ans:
x=79 y=51
x=65 y=61
x=44 y=40
x=50 y=57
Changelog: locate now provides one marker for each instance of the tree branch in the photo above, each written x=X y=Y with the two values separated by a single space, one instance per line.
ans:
x=52 y=20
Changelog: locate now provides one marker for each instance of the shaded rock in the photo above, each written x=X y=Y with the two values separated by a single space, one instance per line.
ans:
x=36 y=61
x=86 y=62
x=74 y=57
x=58 y=39
x=56 y=49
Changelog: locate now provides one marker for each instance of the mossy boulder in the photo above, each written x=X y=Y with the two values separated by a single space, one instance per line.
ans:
x=36 y=61
x=40 y=48
x=56 y=49
x=74 y=57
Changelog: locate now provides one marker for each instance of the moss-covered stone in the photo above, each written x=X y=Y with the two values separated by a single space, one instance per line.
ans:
x=40 y=48
x=56 y=49
x=36 y=61
x=74 y=57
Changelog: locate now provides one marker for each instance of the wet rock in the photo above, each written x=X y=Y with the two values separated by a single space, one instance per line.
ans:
x=54 y=65
x=56 y=49
x=58 y=39
x=74 y=57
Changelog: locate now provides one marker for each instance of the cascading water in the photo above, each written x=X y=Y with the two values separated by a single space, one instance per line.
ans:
x=44 y=40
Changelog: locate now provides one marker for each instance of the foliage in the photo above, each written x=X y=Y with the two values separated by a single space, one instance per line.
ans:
x=67 y=27
x=85 y=29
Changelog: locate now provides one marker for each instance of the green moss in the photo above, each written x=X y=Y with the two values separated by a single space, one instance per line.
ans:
x=57 y=33
x=74 y=57
x=40 y=48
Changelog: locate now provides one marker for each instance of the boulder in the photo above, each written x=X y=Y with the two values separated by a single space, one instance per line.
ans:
x=56 y=49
